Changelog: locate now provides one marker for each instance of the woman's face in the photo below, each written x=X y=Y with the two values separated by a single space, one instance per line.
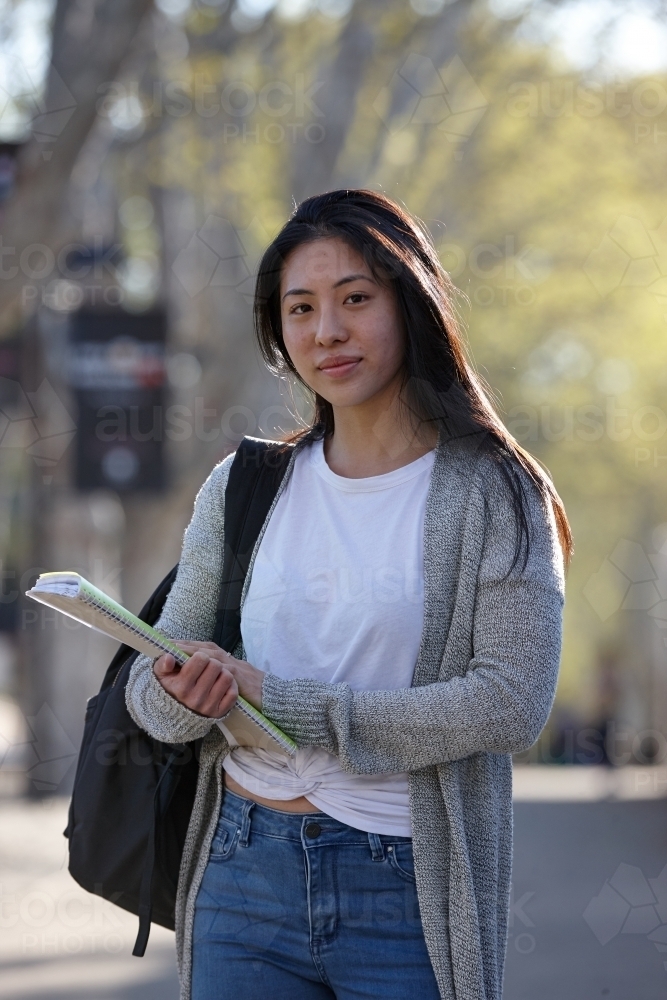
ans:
x=342 y=329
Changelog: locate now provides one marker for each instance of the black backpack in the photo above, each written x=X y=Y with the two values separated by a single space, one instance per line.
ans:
x=133 y=795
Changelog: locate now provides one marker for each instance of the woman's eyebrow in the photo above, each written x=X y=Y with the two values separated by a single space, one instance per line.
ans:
x=297 y=291
x=341 y=281
x=353 y=277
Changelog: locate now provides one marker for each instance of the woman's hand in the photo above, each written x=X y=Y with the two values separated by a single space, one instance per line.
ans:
x=248 y=678
x=203 y=683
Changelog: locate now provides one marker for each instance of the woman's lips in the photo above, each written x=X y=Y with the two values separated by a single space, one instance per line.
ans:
x=337 y=367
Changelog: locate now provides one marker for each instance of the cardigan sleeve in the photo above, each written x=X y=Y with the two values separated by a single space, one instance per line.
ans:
x=501 y=702
x=189 y=613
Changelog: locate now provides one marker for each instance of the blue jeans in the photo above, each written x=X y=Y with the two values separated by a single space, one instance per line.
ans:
x=298 y=906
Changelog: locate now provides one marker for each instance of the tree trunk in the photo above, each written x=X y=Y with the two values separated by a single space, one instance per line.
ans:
x=90 y=41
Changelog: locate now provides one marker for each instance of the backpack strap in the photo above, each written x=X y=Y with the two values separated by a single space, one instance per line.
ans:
x=145 y=907
x=254 y=480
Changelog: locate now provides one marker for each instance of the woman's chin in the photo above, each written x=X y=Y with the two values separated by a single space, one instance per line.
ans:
x=346 y=400
x=350 y=393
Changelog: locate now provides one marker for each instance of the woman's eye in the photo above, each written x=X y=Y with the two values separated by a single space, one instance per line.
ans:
x=300 y=308
x=356 y=297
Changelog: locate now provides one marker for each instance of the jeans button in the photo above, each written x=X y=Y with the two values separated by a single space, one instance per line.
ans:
x=313 y=830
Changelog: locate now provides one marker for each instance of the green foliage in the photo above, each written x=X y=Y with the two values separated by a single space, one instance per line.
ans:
x=546 y=198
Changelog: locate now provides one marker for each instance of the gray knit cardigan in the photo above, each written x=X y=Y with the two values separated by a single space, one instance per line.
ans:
x=482 y=689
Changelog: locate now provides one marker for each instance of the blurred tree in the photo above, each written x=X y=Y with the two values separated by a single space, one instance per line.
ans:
x=543 y=189
x=90 y=42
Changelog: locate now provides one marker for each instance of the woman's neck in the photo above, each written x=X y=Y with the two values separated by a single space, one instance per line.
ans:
x=370 y=440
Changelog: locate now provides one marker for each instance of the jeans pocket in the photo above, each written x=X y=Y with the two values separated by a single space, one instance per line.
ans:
x=401 y=860
x=225 y=839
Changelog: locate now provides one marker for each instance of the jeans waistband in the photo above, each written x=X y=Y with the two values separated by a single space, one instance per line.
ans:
x=315 y=829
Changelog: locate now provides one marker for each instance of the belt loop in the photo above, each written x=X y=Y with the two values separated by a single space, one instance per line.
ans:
x=376 y=846
x=244 y=837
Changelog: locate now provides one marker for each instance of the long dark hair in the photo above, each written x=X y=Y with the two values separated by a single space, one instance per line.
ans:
x=440 y=384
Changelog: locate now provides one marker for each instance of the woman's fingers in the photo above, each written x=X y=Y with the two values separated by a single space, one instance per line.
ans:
x=202 y=683
x=192 y=670
x=208 y=682
x=223 y=694
x=199 y=644
x=191 y=645
x=164 y=665
x=248 y=678
x=200 y=690
x=215 y=691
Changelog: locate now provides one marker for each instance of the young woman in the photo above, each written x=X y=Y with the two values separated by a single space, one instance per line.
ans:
x=401 y=620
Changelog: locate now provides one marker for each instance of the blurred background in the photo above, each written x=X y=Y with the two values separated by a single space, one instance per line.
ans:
x=148 y=152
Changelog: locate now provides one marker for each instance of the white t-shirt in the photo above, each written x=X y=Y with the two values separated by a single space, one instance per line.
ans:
x=337 y=594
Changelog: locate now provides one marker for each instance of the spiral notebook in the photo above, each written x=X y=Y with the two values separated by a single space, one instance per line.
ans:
x=79 y=599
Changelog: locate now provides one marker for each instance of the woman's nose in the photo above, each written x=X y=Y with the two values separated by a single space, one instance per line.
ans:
x=330 y=329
